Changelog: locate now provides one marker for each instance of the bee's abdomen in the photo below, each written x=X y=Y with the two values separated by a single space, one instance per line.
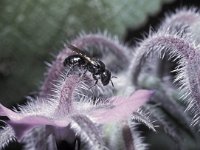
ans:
x=75 y=60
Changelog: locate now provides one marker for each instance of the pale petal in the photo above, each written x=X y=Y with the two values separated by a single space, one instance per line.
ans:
x=121 y=108
x=21 y=124
x=9 y=113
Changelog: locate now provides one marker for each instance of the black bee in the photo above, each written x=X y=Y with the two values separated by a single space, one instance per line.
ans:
x=95 y=66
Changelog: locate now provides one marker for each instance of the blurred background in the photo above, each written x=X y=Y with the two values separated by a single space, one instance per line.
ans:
x=32 y=31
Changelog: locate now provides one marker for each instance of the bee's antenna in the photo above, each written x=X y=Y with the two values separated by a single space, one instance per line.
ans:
x=111 y=80
x=113 y=77
x=112 y=83
x=71 y=46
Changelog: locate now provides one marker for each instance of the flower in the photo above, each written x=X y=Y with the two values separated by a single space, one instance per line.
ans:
x=67 y=106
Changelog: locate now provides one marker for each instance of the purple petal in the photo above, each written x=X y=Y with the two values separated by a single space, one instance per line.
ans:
x=21 y=124
x=122 y=107
x=9 y=113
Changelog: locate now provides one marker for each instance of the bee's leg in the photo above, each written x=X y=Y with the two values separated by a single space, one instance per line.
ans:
x=70 y=68
x=113 y=77
x=82 y=74
x=85 y=71
x=111 y=80
x=96 y=78
x=85 y=68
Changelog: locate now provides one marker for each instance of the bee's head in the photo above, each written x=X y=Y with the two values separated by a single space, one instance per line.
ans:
x=105 y=77
x=98 y=67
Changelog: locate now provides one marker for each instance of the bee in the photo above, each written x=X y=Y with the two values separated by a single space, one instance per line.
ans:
x=95 y=66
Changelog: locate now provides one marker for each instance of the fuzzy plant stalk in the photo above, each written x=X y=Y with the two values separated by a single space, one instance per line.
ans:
x=182 y=47
x=177 y=40
x=68 y=108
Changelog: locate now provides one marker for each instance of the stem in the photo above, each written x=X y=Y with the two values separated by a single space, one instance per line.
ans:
x=128 y=139
x=189 y=60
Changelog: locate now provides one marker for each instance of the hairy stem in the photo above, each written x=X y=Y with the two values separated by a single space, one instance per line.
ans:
x=179 y=48
x=185 y=17
x=128 y=139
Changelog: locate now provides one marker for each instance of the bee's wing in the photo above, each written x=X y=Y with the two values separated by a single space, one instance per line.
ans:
x=80 y=52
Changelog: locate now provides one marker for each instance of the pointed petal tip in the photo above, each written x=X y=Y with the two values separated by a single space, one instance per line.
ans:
x=4 y=111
